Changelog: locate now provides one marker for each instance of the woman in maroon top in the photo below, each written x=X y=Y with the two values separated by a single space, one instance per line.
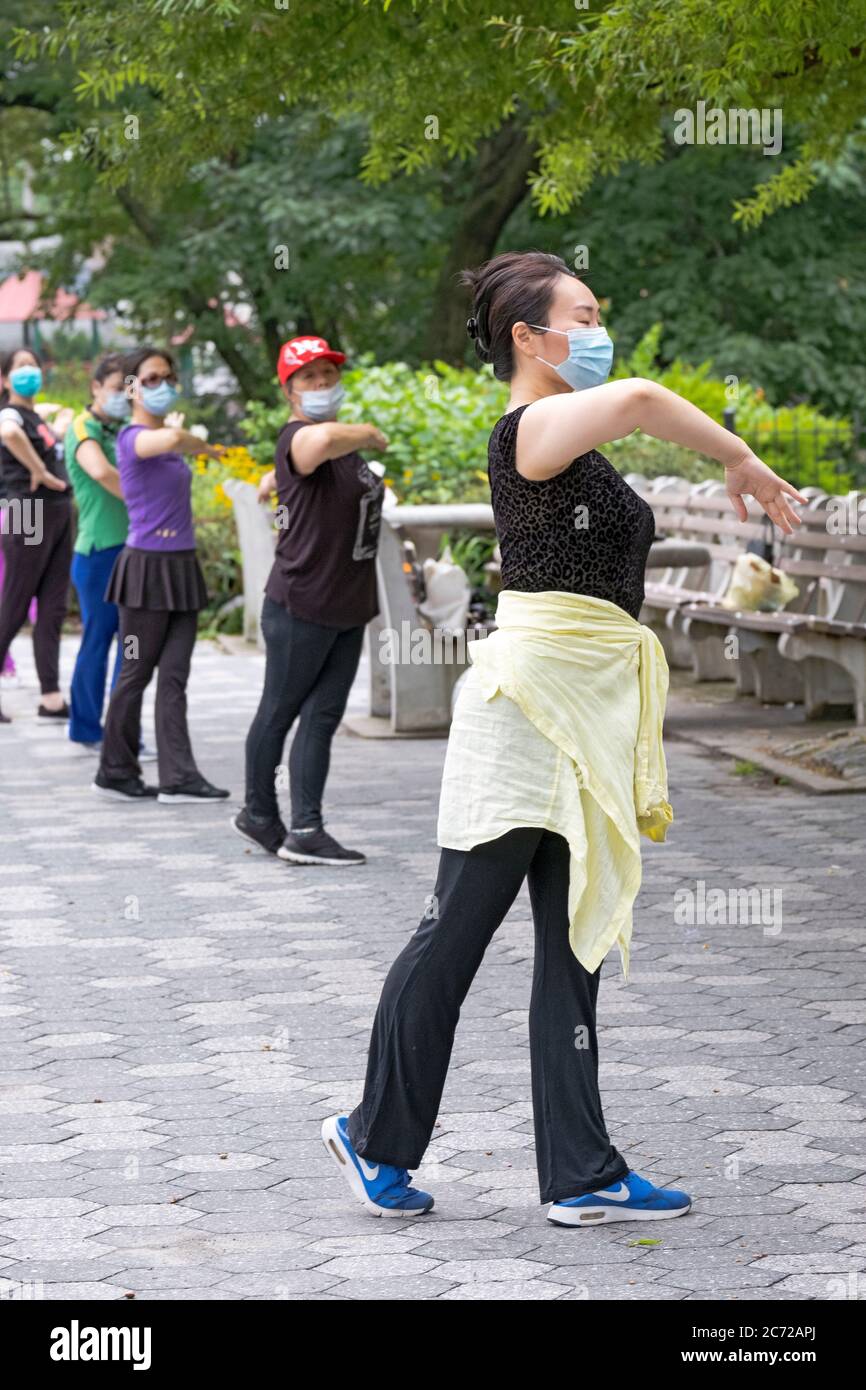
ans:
x=320 y=595
x=35 y=527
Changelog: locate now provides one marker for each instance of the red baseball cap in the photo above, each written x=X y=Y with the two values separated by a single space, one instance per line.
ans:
x=297 y=352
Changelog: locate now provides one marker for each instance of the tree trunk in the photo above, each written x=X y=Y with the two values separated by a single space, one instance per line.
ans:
x=498 y=186
x=209 y=322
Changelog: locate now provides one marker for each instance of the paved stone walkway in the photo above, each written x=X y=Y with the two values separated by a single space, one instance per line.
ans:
x=178 y=1014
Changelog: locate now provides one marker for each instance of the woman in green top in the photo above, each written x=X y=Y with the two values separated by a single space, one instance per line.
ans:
x=102 y=527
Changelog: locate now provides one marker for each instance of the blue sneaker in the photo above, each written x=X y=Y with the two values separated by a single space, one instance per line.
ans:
x=381 y=1188
x=633 y=1198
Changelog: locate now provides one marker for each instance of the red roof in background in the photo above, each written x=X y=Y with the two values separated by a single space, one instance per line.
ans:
x=21 y=299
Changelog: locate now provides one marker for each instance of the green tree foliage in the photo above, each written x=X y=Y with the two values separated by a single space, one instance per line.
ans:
x=244 y=252
x=432 y=79
x=783 y=306
x=191 y=139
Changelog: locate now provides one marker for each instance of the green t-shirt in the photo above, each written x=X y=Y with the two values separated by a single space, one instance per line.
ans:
x=102 y=517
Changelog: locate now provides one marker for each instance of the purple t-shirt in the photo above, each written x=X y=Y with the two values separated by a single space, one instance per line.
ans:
x=157 y=492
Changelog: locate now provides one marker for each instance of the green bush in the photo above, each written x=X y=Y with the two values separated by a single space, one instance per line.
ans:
x=438 y=420
x=216 y=541
x=799 y=442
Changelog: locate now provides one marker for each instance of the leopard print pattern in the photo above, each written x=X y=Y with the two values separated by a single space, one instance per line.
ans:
x=584 y=531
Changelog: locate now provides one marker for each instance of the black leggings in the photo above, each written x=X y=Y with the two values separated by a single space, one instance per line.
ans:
x=41 y=572
x=309 y=672
x=413 y=1031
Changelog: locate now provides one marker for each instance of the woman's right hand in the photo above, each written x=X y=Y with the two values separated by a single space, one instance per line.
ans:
x=267 y=486
x=48 y=480
x=752 y=478
x=373 y=438
x=189 y=443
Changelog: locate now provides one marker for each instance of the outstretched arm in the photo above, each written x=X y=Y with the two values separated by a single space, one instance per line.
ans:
x=167 y=439
x=330 y=439
x=557 y=429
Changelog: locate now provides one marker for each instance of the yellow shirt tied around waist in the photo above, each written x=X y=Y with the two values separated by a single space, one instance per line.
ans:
x=559 y=725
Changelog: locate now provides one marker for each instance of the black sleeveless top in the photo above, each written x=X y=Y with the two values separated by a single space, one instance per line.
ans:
x=583 y=531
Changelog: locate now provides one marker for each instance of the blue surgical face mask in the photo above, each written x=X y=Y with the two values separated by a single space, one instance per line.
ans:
x=159 y=399
x=590 y=356
x=26 y=381
x=323 y=405
x=116 y=406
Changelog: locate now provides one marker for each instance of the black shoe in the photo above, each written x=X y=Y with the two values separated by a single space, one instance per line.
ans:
x=198 y=790
x=268 y=834
x=317 y=847
x=55 y=714
x=124 y=788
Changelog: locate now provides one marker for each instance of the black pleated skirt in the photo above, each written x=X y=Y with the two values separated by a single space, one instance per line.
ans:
x=157 y=579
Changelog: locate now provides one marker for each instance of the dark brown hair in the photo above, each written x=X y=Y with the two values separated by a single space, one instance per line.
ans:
x=106 y=366
x=132 y=361
x=516 y=286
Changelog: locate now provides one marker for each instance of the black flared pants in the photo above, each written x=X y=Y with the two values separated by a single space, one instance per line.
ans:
x=415 y=1022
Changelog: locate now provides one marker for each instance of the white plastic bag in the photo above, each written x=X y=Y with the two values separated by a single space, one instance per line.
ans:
x=448 y=593
x=756 y=586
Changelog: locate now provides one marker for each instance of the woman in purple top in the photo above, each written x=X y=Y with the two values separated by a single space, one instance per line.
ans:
x=158 y=587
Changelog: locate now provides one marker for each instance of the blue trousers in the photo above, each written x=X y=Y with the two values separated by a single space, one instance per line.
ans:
x=90 y=575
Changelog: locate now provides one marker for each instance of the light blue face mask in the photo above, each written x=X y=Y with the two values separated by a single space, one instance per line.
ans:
x=590 y=356
x=159 y=399
x=323 y=405
x=116 y=406
x=26 y=381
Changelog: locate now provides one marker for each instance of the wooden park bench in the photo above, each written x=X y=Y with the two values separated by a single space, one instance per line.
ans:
x=820 y=635
x=697 y=511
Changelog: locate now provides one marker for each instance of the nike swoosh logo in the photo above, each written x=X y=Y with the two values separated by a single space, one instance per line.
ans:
x=621 y=1196
x=367 y=1169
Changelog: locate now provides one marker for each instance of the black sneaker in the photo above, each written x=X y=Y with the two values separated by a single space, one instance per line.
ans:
x=58 y=715
x=199 y=790
x=317 y=847
x=123 y=788
x=268 y=834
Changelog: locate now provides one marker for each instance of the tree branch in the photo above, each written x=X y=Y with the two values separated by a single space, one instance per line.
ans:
x=197 y=304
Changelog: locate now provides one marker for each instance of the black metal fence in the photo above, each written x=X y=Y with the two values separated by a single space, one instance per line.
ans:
x=830 y=455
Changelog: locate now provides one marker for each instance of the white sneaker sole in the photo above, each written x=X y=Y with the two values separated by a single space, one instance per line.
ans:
x=336 y=1146
x=119 y=796
x=603 y=1216
x=183 y=799
x=294 y=856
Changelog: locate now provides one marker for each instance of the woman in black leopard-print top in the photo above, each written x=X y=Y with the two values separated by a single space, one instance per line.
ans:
x=583 y=531
x=567 y=522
